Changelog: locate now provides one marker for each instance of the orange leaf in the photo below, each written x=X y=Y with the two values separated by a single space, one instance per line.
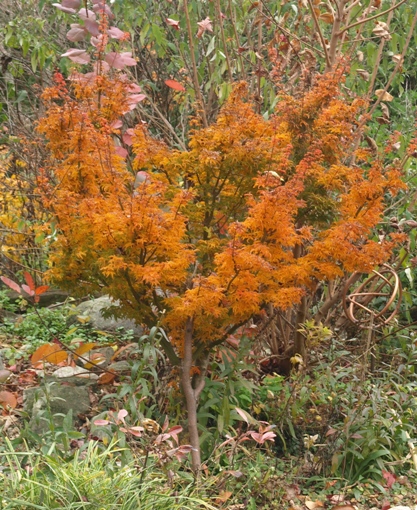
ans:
x=106 y=378
x=51 y=353
x=7 y=399
x=40 y=290
x=175 y=85
x=83 y=348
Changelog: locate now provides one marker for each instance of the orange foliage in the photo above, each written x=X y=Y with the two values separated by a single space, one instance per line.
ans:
x=255 y=212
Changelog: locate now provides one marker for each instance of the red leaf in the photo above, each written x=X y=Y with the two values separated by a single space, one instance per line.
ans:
x=389 y=478
x=29 y=280
x=10 y=283
x=386 y=505
x=175 y=85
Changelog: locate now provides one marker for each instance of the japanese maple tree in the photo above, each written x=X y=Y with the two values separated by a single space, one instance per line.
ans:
x=252 y=214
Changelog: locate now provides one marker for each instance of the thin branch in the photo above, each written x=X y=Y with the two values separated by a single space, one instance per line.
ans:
x=194 y=64
x=219 y=15
x=323 y=42
x=360 y=22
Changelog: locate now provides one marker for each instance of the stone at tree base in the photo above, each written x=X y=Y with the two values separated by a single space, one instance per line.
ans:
x=93 y=310
x=61 y=399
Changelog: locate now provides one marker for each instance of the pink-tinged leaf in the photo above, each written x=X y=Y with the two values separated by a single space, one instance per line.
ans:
x=120 y=60
x=173 y=84
x=10 y=283
x=176 y=429
x=72 y=4
x=173 y=23
x=101 y=66
x=29 y=280
x=120 y=151
x=386 y=505
x=116 y=124
x=268 y=436
x=136 y=431
x=78 y=56
x=28 y=290
x=64 y=9
x=98 y=42
x=181 y=452
x=242 y=414
x=330 y=432
x=116 y=33
x=390 y=478
x=256 y=436
x=86 y=14
x=101 y=422
x=92 y=26
x=133 y=88
x=166 y=424
x=128 y=137
x=203 y=26
x=135 y=99
x=236 y=474
x=103 y=8
x=77 y=33
x=121 y=415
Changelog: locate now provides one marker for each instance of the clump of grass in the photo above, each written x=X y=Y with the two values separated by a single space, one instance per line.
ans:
x=93 y=480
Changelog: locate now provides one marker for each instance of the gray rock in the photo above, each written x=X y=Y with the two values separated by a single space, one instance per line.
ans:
x=53 y=402
x=94 y=310
x=74 y=372
x=120 y=367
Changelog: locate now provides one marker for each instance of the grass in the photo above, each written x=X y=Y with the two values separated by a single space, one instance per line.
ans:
x=93 y=480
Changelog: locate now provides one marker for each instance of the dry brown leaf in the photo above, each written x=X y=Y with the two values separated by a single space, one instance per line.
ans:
x=223 y=497
x=311 y=505
x=385 y=96
x=7 y=399
x=363 y=74
x=327 y=17
x=106 y=378
x=385 y=110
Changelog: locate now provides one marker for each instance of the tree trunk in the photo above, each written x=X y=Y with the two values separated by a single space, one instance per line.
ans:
x=191 y=396
x=299 y=340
